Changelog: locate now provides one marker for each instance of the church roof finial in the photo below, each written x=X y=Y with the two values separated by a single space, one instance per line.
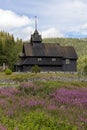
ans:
x=35 y=22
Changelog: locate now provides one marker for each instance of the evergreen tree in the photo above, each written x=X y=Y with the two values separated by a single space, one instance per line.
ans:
x=9 y=49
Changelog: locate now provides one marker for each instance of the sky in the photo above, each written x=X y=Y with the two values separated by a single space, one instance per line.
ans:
x=55 y=18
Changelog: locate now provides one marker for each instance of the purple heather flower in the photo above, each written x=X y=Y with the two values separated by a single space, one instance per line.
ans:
x=2 y=127
x=10 y=113
x=27 y=85
x=71 y=97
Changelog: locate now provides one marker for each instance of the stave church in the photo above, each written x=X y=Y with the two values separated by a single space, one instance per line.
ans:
x=48 y=56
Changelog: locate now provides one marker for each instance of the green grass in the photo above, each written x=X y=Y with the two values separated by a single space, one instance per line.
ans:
x=36 y=120
x=42 y=77
x=25 y=75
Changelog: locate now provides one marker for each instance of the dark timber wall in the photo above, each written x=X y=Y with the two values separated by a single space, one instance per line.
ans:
x=69 y=67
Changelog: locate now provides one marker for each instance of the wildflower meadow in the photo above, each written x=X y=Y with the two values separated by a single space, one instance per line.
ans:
x=40 y=106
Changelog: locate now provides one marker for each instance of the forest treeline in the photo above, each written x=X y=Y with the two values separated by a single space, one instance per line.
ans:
x=10 y=49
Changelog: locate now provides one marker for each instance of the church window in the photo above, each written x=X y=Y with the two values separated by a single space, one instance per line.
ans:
x=39 y=59
x=53 y=59
x=67 y=61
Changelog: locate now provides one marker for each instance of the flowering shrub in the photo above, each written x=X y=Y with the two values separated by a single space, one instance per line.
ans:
x=71 y=97
x=31 y=102
x=28 y=88
x=9 y=92
x=2 y=127
x=23 y=108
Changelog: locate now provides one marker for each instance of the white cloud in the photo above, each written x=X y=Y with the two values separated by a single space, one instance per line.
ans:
x=84 y=26
x=63 y=15
x=10 y=20
x=56 y=17
x=21 y=26
x=52 y=32
x=23 y=33
x=80 y=28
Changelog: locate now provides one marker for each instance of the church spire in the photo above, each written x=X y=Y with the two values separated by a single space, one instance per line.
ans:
x=35 y=37
x=35 y=22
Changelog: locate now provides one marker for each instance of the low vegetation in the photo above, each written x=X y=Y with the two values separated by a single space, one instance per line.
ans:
x=8 y=71
x=35 y=69
x=43 y=105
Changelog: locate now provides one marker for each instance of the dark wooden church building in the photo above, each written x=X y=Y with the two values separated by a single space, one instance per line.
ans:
x=48 y=56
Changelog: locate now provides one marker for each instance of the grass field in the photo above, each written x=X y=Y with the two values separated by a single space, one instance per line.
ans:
x=42 y=104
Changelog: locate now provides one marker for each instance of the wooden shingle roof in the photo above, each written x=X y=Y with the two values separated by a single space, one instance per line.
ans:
x=68 y=52
x=49 y=50
x=35 y=37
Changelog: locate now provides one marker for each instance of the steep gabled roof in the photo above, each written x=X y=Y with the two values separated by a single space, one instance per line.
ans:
x=52 y=49
x=49 y=50
x=27 y=48
x=68 y=52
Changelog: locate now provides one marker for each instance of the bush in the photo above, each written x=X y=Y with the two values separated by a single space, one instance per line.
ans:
x=35 y=69
x=8 y=71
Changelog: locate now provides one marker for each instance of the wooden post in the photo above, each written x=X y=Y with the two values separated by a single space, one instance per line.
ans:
x=3 y=66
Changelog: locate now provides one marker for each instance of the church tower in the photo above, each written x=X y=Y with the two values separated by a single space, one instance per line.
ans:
x=35 y=37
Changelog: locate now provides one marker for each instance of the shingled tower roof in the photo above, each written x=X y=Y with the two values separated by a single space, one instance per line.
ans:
x=35 y=37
